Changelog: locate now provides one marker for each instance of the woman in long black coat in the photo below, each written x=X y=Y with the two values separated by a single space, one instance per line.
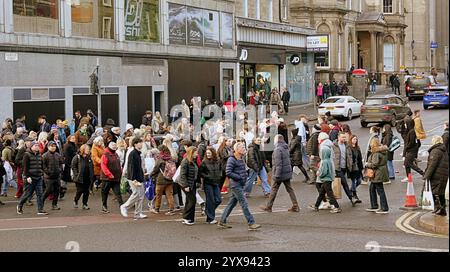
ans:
x=295 y=150
x=70 y=150
x=437 y=173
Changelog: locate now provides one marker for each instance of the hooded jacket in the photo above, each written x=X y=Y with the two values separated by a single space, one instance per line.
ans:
x=326 y=170
x=437 y=168
x=378 y=162
x=330 y=145
x=411 y=145
x=110 y=166
x=281 y=162
x=386 y=139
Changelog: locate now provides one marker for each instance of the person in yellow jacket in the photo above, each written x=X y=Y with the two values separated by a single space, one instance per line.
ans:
x=420 y=131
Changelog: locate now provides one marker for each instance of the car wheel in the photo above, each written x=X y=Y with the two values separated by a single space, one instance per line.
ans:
x=349 y=115
x=363 y=124
x=425 y=107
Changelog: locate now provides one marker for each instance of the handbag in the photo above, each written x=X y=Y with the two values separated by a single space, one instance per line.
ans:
x=149 y=189
x=369 y=173
x=427 y=197
x=337 y=188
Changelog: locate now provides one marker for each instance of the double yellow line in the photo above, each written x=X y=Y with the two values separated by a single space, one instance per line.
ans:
x=404 y=221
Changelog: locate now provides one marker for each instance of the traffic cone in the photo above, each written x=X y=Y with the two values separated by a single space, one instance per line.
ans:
x=410 y=201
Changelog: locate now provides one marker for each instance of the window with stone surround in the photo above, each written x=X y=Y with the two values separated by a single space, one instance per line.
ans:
x=37 y=16
x=387 y=6
x=284 y=9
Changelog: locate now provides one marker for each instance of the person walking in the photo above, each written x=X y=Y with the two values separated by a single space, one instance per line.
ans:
x=281 y=174
x=255 y=161
x=286 y=98
x=386 y=139
x=211 y=173
x=295 y=151
x=19 y=164
x=377 y=162
x=343 y=162
x=83 y=175
x=437 y=173
x=319 y=93
x=96 y=156
x=397 y=85
x=325 y=176
x=355 y=173
x=33 y=175
x=312 y=149
x=110 y=175
x=420 y=131
x=135 y=178
x=410 y=149
x=52 y=163
x=445 y=136
x=236 y=171
x=187 y=181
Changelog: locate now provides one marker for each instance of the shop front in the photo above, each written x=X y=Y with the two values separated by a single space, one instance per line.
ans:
x=300 y=71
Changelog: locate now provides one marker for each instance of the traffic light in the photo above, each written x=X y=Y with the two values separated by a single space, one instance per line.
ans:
x=94 y=84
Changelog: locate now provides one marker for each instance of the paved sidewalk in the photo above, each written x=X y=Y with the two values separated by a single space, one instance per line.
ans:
x=434 y=223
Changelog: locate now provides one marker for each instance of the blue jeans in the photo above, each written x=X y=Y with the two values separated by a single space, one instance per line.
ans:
x=373 y=88
x=213 y=200
x=252 y=178
x=38 y=186
x=390 y=165
x=375 y=188
x=237 y=196
x=7 y=183
x=355 y=183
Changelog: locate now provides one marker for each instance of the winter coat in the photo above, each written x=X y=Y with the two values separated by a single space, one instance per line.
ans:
x=386 y=139
x=224 y=155
x=147 y=121
x=437 y=169
x=334 y=133
x=326 y=171
x=255 y=158
x=445 y=139
x=158 y=170
x=32 y=165
x=282 y=130
x=78 y=167
x=236 y=171
x=96 y=155
x=378 y=162
x=295 y=150
x=52 y=165
x=188 y=174
x=110 y=166
x=19 y=156
x=70 y=150
x=337 y=155
x=418 y=127
x=275 y=98
x=329 y=144
x=357 y=163
x=80 y=139
x=411 y=145
x=286 y=96
x=319 y=90
x=211 y=172
x=312 y=147
x=281 y=162
x=134 y=166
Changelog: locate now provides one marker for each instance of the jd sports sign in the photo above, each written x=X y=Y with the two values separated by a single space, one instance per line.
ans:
x=295 y=59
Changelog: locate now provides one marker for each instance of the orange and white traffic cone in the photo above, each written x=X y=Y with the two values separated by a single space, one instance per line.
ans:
x=410 y=201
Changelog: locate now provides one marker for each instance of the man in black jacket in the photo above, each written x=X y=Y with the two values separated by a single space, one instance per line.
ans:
x=53 y=166
x=32 y=174
x=286 y=98
x=135 y=177
x=312 y=149
x=410 y=149
x=445 y=136
x=255 y=161
x=44 y=126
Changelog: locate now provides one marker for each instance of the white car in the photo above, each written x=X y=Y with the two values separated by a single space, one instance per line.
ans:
x=345 y=106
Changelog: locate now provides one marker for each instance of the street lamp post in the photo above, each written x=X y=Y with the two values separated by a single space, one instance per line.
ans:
x=95 y=89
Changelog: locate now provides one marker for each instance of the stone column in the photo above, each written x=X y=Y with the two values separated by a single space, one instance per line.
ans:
x=373 y=51
x=397 y=55
x=380 y=54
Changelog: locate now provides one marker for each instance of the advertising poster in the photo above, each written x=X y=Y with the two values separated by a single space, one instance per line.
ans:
x=142 y=20
x=177 y=24
x=211 y=26
x=194 y=26
x=227 y=30
x=263 y=82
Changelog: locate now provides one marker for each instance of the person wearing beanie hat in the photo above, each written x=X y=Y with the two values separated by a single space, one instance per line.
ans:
x=111 y=173
x=129 y=131
x=335 y=129
x=52 y=163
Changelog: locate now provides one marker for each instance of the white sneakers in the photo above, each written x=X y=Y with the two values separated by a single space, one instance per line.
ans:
x=140 y=216
x=405 y=180
x=123 y=211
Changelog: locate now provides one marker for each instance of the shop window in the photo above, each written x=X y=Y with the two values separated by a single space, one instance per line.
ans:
x=142 y=20
x=387 y=6
x=388 y=57
x=91 y=19
x=321 y=59
x=36 y=16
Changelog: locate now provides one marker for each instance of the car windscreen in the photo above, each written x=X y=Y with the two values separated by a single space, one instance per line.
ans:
x=419 y=82
x=437 y=90
x=334 y=100
x=376 y=101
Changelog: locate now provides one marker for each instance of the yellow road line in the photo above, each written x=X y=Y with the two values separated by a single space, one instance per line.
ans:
x=403 y=223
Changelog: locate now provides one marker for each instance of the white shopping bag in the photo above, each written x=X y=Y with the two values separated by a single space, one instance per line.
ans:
x=176 y=175
x=427 y=197
x=149 y=164
x=446 y=191
x=296 y=170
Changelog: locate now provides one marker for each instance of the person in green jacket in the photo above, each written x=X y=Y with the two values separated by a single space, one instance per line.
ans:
x=325 y=178
x=377 y=161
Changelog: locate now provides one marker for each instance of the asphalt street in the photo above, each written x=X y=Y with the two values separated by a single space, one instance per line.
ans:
x=307 y=231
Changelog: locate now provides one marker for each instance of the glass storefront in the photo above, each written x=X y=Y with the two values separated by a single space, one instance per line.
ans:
x=92 y=18
x=36 y=16
x=300 y=78
x=261 y=78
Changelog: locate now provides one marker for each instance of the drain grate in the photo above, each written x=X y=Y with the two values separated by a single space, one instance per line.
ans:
x=240 y=239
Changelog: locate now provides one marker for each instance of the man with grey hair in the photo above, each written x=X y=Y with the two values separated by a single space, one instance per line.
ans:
x=281 y=173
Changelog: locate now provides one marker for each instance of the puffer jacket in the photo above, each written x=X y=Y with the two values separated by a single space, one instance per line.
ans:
x=52 y=165
x=437 y=168
x=312 y=147
x=236 y=171
x=281 y=162
x=96 y=155
x=255 y=158
x=188 y=174
x=32 y=165
x=295 y=150
x=78 y=167
x=211 y=171
x=378 y=162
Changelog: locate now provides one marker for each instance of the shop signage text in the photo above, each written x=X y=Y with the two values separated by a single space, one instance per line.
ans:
x=295 y=59
x=317 y=43
x=11 y=57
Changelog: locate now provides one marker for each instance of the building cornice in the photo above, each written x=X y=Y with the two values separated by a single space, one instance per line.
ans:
x=271 y=26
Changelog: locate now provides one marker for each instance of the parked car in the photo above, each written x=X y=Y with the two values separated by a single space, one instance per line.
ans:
x=384 y=109
x=417 y=86
x=436 y=96
x=342 y=106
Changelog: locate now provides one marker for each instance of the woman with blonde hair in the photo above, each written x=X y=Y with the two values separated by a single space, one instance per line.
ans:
x=148 y=144
x=122 y=149
x=437 y=173
x=83 y=175
x=42 y=139
x=158 y=124
x=168 y=143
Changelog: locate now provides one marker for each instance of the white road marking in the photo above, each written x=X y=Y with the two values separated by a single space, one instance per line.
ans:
x=375 y=247
x=34 y=228
x=219 y=214
x=403 y=223
x=26 y=218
